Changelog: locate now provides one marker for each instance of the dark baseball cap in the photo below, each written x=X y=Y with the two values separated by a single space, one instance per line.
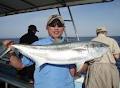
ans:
x=32 y=27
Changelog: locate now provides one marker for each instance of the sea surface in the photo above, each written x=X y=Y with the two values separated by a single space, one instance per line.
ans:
x=72 y=39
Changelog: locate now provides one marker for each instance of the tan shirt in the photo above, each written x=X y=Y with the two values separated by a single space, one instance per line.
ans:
x=113 y=45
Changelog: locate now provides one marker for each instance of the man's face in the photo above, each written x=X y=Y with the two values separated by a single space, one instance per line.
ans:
x=34 y=31
x=55 y=31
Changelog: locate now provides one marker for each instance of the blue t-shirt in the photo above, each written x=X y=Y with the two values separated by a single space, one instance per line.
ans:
x=50 y=75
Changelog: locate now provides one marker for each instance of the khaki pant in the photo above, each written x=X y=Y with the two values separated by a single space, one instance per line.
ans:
x=102 y=76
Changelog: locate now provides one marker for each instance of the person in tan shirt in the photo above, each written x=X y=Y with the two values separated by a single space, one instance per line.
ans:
x=103 y=73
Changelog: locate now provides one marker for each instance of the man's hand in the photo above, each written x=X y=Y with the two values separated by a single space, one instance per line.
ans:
x=8 y=43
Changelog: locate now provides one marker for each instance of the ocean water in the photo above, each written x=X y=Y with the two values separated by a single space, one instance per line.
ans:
x=72 y=39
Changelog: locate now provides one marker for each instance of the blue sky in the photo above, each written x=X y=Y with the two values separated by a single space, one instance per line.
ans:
x=86 y=17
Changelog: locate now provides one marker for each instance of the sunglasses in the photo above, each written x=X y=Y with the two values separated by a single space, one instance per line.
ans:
x=56 y=22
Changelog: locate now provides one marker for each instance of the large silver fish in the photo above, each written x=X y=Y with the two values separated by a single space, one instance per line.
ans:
x=69 y=53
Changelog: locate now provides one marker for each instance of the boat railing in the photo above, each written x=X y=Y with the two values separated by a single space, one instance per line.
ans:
x=14 y=81
x=8 y=77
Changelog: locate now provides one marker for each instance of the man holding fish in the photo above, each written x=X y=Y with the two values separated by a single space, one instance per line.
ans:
x=49 y=75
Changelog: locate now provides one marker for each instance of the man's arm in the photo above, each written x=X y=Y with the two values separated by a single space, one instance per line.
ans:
x=15 y=61
x=116 y=50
